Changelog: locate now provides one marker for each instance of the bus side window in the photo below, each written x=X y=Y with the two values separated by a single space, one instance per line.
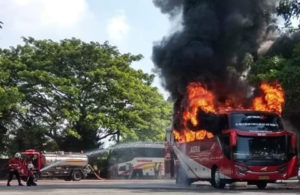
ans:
x=224 y=138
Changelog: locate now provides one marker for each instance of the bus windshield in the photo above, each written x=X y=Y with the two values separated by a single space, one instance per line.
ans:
x=255 y=122
x=266 y=150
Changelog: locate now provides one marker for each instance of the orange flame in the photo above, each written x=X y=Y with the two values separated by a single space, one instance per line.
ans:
x=189 y=135
x=272 y=99
x=199 y=98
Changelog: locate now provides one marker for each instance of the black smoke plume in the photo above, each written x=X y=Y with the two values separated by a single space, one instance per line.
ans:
x=215 y=37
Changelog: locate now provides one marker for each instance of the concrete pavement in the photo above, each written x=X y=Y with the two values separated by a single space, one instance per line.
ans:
x=125 y=187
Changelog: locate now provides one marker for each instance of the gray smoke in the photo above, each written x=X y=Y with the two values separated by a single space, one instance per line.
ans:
x=215 y=38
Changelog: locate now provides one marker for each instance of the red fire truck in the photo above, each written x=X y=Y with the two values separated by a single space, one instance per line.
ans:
x=248 y=146
x=67 y=165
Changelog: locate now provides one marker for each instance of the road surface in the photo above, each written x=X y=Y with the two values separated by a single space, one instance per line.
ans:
x=125 y=187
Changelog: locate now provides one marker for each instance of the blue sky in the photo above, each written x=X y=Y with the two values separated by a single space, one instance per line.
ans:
x=131 y=25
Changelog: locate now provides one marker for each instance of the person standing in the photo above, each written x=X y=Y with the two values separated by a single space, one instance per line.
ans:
x=159 y=169
x=14 y=165
x=156 y=170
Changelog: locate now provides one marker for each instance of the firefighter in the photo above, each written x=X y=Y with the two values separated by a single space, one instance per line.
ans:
x=30 y=179
x=14 y=166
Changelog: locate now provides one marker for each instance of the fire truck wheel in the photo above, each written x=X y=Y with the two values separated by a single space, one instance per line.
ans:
x=182 y=178
x=76 y=175
x=216 y=179
x=261 y=185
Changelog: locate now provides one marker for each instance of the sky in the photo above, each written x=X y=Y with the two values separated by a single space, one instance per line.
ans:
x=131 y=25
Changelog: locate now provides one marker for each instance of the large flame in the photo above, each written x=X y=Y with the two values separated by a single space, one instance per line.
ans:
x=199 y=98
x=272 y=98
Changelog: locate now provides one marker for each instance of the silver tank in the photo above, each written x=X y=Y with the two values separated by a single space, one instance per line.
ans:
x=65 y=159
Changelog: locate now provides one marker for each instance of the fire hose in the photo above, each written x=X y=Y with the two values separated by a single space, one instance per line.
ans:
x=95 y=172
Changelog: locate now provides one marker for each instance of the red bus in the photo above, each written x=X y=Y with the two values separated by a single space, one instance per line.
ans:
x=248 y=146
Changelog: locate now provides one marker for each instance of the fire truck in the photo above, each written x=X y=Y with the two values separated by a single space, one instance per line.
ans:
x=248 y=146
x=67 y=165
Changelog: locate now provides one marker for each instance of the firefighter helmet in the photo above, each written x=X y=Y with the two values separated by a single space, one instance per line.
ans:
x=18 y=155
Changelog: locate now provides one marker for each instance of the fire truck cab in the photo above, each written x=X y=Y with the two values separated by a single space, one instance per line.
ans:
x=247 y=146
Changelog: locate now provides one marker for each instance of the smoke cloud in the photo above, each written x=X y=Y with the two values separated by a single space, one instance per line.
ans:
x=215 y=37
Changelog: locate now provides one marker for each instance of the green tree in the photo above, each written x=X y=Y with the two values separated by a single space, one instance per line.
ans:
x=9 y=99
x=77 y=93
x=289 y=9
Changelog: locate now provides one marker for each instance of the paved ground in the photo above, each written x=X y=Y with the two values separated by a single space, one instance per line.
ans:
x=124 y=187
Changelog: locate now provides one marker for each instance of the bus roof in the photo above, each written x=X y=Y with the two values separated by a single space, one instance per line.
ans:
x=138 y=145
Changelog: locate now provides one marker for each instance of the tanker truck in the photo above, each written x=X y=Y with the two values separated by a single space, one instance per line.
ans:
x=66 y=165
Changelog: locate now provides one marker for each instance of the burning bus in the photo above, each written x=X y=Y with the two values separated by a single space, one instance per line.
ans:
x=224 y=130
x=224 y=143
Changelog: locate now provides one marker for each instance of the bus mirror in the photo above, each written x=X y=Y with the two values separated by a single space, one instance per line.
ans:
x=232 y=138
x=293 y=142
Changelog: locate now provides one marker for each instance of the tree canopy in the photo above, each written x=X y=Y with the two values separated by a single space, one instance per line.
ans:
x=289 y=9
x=70 y=95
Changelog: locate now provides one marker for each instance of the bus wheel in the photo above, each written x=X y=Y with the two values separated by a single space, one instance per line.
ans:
x=216 y=179
x=261 y=185
x=182 y=178
x=76 y=175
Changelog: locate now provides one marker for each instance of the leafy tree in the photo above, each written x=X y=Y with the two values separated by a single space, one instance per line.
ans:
x=289 y=9
x=9 y=98
x=31 y=138
x=78 y=93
